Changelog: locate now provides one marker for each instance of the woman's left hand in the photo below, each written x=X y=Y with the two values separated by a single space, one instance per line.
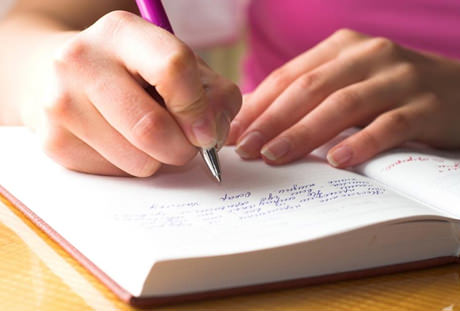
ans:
x=350 y=79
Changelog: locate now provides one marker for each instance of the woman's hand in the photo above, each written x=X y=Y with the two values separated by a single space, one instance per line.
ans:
x=350 y=79
x=103 y=115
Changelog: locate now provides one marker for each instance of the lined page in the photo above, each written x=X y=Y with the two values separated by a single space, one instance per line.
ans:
x=124 y=225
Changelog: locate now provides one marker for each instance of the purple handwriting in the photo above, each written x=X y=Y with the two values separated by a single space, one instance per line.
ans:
x=244 y=206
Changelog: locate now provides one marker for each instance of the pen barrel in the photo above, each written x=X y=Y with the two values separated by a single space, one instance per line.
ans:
x=154 y=12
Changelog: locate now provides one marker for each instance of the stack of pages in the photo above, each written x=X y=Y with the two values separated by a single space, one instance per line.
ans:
x=180 y=236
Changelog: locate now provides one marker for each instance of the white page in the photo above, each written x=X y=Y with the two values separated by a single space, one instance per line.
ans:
x=123 y=225
x=417 y=171
x=431 y=176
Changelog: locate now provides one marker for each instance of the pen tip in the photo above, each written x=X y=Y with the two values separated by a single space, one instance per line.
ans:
x=212 y=161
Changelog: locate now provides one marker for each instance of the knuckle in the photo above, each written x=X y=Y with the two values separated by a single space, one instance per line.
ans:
x=369 y=140
x=434 y=101
x=195 y=107
x=397 y=120
x=113 y=22
x=118 y=16
x=343 y=38
x=72 y=54
x=346 y=101
x=151 y=124
x=100 y=85
x=345 y=34
x=180 y=60
x=301 y=137
x=409 y=72
x=383 y=46
x=280 y=77
x=59 y=108
x=309 y=81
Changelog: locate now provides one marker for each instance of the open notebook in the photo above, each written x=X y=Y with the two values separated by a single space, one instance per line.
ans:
x=180 y=236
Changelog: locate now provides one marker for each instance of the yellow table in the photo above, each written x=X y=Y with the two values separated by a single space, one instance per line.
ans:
x=36 y=274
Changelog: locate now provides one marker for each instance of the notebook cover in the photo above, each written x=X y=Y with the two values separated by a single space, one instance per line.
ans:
x=163 y=300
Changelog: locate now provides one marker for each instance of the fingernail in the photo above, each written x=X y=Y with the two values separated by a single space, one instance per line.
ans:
x=203 y=132
x=223 y=127
x=340 y=156
x=276 y=149
x=249 y=146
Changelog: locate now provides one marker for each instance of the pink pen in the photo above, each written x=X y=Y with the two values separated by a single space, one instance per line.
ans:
x=154 y=12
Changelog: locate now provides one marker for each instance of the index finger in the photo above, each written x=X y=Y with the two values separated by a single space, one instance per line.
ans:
x=166 y=63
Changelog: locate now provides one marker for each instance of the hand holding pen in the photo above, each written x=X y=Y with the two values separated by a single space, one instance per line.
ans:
x=154 y=12
x=100 y=118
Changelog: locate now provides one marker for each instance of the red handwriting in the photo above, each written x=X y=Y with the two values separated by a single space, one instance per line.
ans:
x=442 y=165
x=406 y=160
x=449 y=167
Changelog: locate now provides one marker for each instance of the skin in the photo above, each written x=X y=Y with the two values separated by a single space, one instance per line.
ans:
x=112 y=95
x=88 y=93
x=394 y=93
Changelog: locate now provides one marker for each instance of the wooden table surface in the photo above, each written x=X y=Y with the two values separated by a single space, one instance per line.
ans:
x=36 y=274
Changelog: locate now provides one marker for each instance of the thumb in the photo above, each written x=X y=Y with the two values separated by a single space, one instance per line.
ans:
x=186 y=99
x=196 y=119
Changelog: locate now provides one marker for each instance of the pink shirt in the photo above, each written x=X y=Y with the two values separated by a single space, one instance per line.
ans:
x=281 y=29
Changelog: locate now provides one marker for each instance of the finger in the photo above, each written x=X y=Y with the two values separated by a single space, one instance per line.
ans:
x=86 y=123
x=302 y=96
x=440 y=125
x=128 y=108
x=281 y=78
x=235 y=129
x=362 y=61
x=343 y=109
x=220 y=100
x=224 y=100
x=166 y=63
x=67 y=150
x=389 y=130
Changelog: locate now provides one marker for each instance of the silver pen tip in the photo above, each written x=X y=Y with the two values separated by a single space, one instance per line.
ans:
x=212 y=162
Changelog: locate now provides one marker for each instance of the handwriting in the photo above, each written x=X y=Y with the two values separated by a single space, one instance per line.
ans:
x=405 y=160
x=441 y=165
x=229 y=197
x=243 y=206
x=449 y=167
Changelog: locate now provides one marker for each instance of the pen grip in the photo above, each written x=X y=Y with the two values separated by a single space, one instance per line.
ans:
x=154 y=12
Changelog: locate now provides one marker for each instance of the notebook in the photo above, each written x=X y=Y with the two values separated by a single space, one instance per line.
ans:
x=180 y=236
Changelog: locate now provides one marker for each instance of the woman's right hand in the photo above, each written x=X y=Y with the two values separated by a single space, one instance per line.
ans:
x=101 y=115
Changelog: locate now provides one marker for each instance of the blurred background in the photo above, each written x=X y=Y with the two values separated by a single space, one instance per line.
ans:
x=215 y=29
